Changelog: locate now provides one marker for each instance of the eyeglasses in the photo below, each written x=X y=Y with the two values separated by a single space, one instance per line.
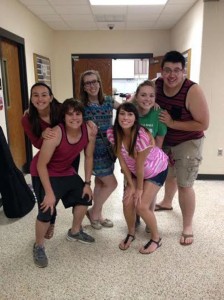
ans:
x=89 y=83
x=176 y=71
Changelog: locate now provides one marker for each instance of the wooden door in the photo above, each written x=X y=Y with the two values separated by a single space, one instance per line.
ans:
x=102 y=65
x=13 y=101
x=155 y=67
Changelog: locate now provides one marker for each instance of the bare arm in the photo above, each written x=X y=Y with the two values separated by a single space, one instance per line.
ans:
x=159 y=141
x=35 y=141
x=116 y=104
x=130 y=187
x=125 y=171
x=88 y=161
x=197 y=105
x=141 y=157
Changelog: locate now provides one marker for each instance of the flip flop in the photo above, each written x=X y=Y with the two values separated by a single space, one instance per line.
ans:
x=107 y=223
x=185 y=236
x=126 y=240
x=158 y=244
x=94 y=223
x=161 y=208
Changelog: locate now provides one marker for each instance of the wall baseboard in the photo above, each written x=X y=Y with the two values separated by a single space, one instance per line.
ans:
x=210 y=177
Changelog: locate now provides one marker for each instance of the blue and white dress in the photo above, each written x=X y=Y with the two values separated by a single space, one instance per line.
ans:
x=101 y=115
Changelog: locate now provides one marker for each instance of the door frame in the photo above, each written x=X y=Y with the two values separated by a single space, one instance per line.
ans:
x=19 y=41
x=106 y=55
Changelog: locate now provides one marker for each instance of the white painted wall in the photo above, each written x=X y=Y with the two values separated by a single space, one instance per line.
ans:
x=212 y=81
x=38 y=37
x=95 y=42
x=187 y=34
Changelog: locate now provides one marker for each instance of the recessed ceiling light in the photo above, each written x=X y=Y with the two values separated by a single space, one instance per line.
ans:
x=128 y=2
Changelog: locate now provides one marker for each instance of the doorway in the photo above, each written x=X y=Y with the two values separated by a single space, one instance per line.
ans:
x=102 y=63
x=15 y=96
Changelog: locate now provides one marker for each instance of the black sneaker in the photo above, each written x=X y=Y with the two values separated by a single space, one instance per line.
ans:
x=80 y=236
x=39 y=256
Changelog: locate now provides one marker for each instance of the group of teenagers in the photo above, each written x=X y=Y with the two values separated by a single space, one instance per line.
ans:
x=157 y=137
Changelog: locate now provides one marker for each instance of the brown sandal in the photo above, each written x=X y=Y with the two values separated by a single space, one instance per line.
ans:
x=125 y=241
x=158 y=244
x=50 y=232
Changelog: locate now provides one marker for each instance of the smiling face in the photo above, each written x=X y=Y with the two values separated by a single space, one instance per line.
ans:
x=173 y=75
x=126 y=119
x=145 y=98
x=73 y=119
x=41 y=98
x=91 y=86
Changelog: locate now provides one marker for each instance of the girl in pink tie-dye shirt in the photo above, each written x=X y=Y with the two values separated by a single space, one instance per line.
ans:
x=145 y=168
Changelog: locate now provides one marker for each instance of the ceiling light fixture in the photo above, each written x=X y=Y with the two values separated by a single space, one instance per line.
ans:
x=128 y=2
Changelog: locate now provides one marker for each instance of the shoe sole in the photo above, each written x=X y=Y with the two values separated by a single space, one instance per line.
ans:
x=96 y=226
x=77 y=240
x=39 y=265
x=107 y=226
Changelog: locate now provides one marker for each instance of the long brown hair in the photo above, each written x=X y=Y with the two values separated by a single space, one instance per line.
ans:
x=83 y=95
x=118 y=131
x=34 y=115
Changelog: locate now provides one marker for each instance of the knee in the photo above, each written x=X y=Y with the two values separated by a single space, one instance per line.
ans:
x=141 y=208
x=128 y=205
x=45 y=216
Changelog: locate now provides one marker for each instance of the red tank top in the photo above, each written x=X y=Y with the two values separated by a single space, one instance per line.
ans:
x=176 y=106
x=64 y=155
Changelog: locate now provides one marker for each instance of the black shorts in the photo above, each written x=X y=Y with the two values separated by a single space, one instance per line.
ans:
x=67 y=188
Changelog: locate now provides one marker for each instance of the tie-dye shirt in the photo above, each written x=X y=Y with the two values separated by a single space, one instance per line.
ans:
x=156 y=161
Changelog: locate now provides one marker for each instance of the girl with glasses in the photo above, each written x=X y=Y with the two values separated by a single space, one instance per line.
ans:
x=99 y=109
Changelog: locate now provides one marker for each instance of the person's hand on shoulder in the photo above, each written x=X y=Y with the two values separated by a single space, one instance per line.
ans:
x=48 y=133
x=156 y=106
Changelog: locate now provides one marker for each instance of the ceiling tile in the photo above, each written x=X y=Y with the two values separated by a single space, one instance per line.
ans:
x=79 y=14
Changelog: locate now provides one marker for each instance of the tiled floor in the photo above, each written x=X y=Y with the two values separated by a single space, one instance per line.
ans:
x=102 y=271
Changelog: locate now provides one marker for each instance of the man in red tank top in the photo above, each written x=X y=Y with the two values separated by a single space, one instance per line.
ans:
x=185 y=112
x=55 y=178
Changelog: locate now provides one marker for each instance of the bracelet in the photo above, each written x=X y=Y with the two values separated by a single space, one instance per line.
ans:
x=87 y=182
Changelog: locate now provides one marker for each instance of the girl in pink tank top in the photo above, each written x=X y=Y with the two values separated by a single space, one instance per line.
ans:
x=145 y=168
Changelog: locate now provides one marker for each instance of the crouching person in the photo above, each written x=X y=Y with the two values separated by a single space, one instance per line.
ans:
x=54 y=177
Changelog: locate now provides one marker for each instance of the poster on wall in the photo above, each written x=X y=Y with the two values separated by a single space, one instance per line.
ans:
x=42 y=69
x=187 y=56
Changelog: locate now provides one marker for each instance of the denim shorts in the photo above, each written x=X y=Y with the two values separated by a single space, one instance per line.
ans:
x=186 y=158
x=159 y=179
x=67 y=188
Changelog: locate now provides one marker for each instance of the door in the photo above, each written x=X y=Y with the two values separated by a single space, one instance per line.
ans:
x=13 y=101
x=155 y=67
x=102 y=65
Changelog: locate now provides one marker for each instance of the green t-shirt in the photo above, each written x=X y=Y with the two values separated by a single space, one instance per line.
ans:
x=152 y=123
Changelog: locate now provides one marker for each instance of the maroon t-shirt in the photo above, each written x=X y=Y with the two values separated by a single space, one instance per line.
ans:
x=176 y=107
x=64 y=155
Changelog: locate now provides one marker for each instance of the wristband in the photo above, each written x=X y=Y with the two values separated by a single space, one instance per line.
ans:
x=87 y=182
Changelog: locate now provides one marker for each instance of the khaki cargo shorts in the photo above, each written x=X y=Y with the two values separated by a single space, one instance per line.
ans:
x=185 y=160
